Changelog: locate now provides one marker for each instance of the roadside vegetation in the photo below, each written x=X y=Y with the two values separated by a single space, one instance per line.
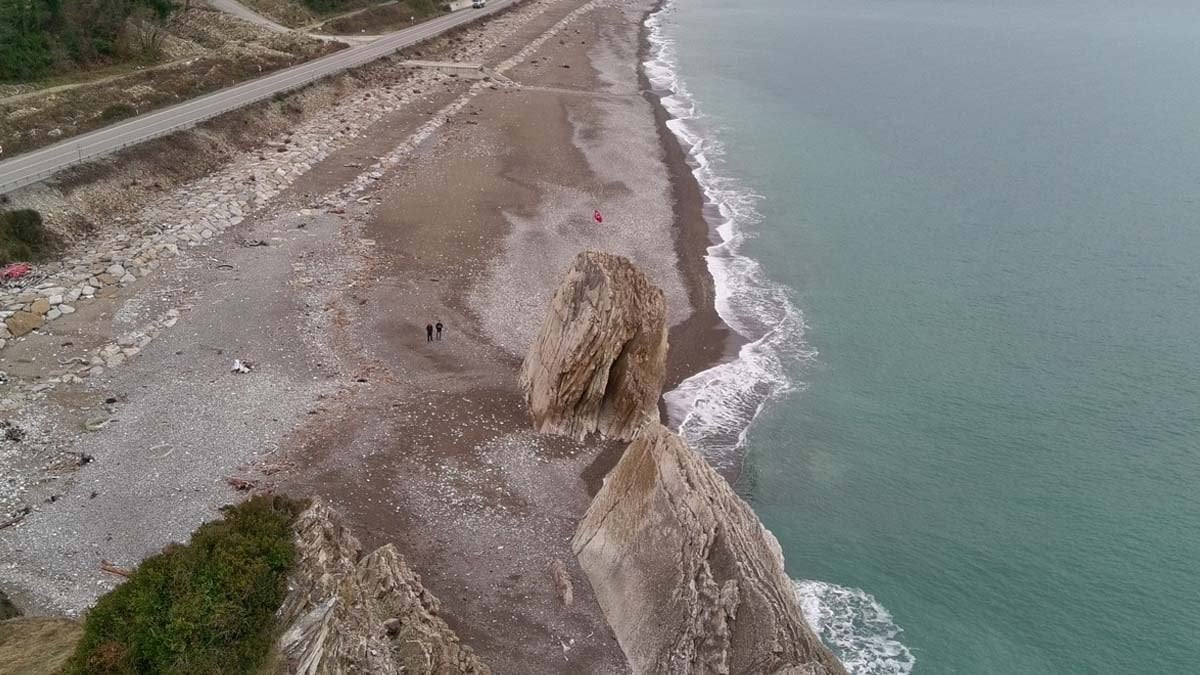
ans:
x=300 y=13
x=204 y=607
x=23 y=238
x=382 y=18
x=40 y=38
x=200 y=50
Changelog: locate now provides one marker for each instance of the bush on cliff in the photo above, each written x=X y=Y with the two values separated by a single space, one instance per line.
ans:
x=23 y=237
x=205 y=607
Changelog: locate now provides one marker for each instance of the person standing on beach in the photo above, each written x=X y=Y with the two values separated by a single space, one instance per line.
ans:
x=438 y=326
x=429 y=332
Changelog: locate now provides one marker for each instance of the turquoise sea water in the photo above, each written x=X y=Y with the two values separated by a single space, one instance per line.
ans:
x=966 y=237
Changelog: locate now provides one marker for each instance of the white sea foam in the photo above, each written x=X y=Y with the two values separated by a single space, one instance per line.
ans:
x=715 y=408
x=859 y=629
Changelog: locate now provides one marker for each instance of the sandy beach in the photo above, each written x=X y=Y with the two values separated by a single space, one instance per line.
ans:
x=463 y=206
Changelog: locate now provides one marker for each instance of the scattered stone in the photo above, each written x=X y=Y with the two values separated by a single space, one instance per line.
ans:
x=23 y=323
x=20 y=515
x=562 y=583
x=241 y=484
x=96 y=424
x=11 y=432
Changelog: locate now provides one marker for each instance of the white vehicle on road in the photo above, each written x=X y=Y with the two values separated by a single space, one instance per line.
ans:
x=478 y=4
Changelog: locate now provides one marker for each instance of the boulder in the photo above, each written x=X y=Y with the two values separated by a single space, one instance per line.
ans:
x=350 y=614
x=22 y=323
x=688 y=578
x=7 y=609
x=599 y=361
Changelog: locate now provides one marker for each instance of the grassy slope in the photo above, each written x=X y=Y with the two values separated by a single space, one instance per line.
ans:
x=204 y=607
x=37 y=645
x=382 y=19
x=38 y=121
x=298 y=13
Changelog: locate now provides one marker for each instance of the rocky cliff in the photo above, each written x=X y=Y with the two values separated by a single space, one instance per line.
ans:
x=688 y=578
x=598 y=362
x=345 y=613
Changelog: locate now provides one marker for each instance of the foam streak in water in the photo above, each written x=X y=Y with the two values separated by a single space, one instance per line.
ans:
x=858 y=629
x=715 y=408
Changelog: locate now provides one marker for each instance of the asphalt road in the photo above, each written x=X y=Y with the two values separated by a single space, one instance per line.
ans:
x=37 y=165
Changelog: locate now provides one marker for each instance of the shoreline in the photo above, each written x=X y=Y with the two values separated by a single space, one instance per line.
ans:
x=704 y=341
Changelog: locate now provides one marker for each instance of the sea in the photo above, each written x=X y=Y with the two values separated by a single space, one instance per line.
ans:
x=962 y=241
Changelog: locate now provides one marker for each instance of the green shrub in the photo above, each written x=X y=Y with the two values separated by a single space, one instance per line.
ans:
x=43 y=37
x=329 y=6
x=23 y=238
x=117 y=111
x=423 y=7
x=203 y=608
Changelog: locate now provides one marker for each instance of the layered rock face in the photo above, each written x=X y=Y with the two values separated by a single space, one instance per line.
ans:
x=687 y=576
x=599 y=361
x=350 y=614
x=689 y=579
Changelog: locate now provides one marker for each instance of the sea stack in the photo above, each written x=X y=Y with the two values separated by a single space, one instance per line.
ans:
x=687 y=576
x=689 y=579
x=598 y=363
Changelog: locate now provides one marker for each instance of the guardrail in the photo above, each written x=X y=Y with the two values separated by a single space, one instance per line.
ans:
x=84 y=154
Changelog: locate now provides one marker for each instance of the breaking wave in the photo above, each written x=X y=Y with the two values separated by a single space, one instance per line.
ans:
x=858 y=629
x=714 y=409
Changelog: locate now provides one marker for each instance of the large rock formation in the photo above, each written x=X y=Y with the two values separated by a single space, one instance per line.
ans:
x=348 y=614
x=687 y=576
x=689 y=579
x=599 y=361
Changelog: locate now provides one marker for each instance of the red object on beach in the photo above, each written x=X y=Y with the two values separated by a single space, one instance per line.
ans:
x=15 y=271
x=596 y=214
